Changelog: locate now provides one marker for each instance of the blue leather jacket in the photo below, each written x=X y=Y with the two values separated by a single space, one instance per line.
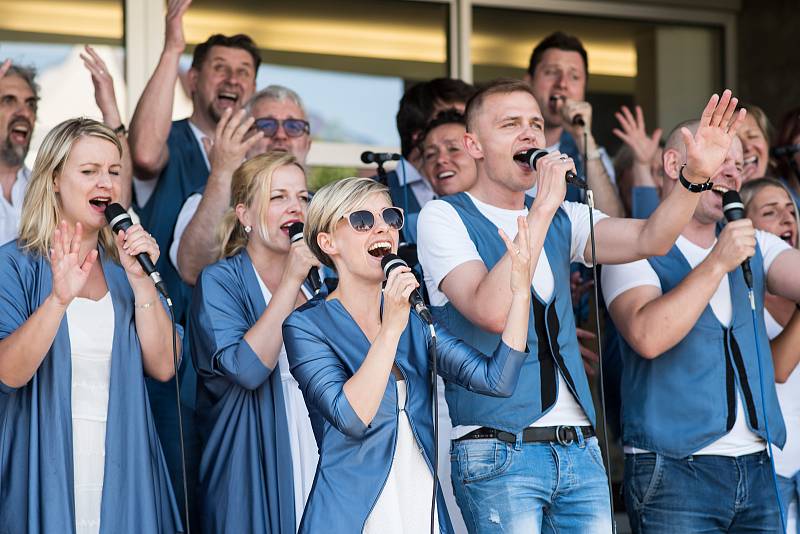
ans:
x=325 y=348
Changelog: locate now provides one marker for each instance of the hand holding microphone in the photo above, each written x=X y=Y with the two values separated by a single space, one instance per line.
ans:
x=406 y=287
x=576 y=114
x=737 y=241
x=301 y=253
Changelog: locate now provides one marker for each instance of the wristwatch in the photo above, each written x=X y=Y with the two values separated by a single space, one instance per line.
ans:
x=693 y=187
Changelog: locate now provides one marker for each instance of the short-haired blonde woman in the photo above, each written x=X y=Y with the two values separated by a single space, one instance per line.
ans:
x=770 y=206
x=361 y=359
x=80 y=326
x=259 y=452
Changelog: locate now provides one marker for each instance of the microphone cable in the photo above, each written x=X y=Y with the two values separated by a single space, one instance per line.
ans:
x=751 y=297
x=180 y=415
x=435 y=390
x=590 y=204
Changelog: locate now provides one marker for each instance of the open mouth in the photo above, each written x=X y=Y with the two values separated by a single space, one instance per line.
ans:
x=554 y=102
x=99 y=204
x=227 y=99
x=521 y=159
x=753 y=160
x=20 y=132
x=788 y=236
x=719 y=190
x=380 y=249
x=285 y=226
x=444 y=175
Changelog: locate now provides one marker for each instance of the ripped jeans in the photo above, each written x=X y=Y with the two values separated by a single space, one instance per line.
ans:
x=529 y=488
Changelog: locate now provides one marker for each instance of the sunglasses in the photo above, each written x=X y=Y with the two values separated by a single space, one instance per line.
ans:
x=364 y=220
x=292 y=127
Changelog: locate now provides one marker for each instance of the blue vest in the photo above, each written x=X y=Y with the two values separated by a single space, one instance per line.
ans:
x=184 y=173
x=685 y=399
x=552 y=341
x=567 y=146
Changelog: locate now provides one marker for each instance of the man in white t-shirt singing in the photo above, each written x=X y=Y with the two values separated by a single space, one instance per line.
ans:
x=531 y=462
x=693 y=397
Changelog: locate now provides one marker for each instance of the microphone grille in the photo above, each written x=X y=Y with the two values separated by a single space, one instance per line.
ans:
x=731 y=200
x=390 y=261
x=366 y=157
x=295 y=231
x=113 y=211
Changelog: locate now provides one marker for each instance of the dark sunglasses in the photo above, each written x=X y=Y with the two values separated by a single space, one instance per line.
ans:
x=292 y=127
x=364 y=220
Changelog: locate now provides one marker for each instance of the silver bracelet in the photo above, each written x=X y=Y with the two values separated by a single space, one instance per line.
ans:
x=143 y=306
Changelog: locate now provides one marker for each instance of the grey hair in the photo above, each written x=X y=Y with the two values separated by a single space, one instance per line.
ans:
x=279 y=93
x=26 y=73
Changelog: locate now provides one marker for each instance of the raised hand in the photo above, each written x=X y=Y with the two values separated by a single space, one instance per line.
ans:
x=568 y=110
x=399 y=285
x=174 y=39
x=634 y=134
x=227 y=151
x=4 y=67
x=706 y=150
x=551 y=186
x=736 y=243
x=132 y=242
x=300 y=261
x=103 y=83
x=519 y=251
x=70 y=274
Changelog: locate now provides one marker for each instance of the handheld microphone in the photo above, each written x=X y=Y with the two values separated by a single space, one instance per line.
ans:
x=296 y=234
x=379 y=157
x=785 y=150
x=393 y=261
x=733 y=208
x=119 y=219
x=577 y=120
x=535 y=154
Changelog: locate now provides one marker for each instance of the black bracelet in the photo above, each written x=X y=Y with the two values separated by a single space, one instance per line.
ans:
x=120 y=130
x=693 y=187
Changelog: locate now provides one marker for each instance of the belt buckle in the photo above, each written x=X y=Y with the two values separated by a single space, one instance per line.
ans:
x=561 y=440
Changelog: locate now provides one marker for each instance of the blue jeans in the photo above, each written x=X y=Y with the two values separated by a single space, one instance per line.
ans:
x=700 y=494
x=790 y=495
x=530 y=487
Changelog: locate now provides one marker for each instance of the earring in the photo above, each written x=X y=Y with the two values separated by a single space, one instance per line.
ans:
x=247 y=229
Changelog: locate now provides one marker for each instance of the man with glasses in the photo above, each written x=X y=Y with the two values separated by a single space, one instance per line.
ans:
x=277 y=122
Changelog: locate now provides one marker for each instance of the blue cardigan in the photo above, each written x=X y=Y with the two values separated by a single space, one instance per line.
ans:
x=246 y=465
x=326 y=347
x=36 y=477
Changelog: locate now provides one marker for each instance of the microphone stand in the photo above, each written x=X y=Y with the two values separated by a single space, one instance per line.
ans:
x=590 y=204
x=382 y=177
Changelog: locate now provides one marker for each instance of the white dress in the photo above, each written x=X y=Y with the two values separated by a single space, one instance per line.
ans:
x=305 y=454
x=404 y=505
x=91 y=336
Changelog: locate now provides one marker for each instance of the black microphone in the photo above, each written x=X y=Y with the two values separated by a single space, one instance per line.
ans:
x=535 y=154
x=733 y=208
x=119 y=219
x=379 y=157
x=785 y=150
x=393 y=261
x=296 y=234
x=577 y=120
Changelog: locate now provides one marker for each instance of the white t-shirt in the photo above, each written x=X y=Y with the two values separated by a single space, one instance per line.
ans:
x=787 y=461
x=188 y=210
x=616 y=279
x=444 y=244
x=10 y=213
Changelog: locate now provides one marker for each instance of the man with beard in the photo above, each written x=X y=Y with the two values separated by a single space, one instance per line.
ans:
x=18 y=101
x=277 y=122
x=222 y=77
x=558 y=72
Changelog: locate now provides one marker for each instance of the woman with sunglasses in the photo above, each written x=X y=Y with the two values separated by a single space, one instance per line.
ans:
x=769 y=205
x=361 y=359
x=259 y=453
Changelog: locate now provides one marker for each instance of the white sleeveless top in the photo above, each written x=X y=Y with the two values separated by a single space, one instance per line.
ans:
x=787 y=461
x=91 y=337
x=305 y=453
x=404 y=504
